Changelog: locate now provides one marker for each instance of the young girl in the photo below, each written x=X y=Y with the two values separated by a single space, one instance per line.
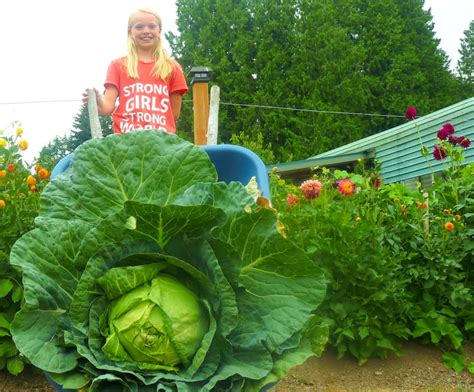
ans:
x=148 y=83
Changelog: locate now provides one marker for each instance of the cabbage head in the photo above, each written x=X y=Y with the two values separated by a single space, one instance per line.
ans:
x=160 y=322
x=145 y=273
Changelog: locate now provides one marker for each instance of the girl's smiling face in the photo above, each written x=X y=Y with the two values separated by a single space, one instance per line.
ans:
x=145 y=30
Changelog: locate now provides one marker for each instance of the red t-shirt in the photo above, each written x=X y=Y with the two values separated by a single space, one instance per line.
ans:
x=144 y=103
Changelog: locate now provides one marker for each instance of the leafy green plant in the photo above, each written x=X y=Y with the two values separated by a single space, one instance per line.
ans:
x=398 y=262
x=343 y=228
x=19 y=205
x=144 y=272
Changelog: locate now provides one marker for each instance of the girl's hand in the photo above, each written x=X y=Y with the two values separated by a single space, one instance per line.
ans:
x=106 y=102
x=85 y=97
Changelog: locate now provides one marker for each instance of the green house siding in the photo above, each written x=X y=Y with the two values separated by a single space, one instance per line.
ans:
x=399 y=149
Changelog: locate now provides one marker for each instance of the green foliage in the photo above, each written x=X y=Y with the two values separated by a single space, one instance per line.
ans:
x=465 y=66
x=398 y=262
x=254 y=144
x=356 y=56
x=117 y=219
x=19 y=205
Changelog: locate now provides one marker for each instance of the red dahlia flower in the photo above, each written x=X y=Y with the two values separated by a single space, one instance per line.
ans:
x=311 y=189
x=464 y=142
x=439 y=152
x=448 y=128
x=375 y=181
x=410 y=113
x=442 y=134
x=453 y=140
x=346 y=187
x=292 y=200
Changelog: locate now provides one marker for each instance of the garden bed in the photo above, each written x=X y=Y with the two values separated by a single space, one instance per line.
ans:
x=420 y=368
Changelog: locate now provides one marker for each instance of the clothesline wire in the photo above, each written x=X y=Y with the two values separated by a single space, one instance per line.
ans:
x=232 y=104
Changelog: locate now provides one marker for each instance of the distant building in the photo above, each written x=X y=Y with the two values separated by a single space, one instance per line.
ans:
x=398 y=150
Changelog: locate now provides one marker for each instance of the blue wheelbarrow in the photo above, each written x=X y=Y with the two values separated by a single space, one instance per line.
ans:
x=233 y=163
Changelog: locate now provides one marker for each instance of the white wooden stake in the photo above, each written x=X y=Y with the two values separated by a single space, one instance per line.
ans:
x=213 y=122
x=96 y=130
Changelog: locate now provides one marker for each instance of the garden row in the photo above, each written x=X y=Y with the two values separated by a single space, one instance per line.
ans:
x=372 y=265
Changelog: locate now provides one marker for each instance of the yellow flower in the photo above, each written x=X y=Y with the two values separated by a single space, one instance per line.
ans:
x=19 y=131
x=3 y=143
x=30 y=180
x=3 y=173
x=358 y=219
x=457 y=217
x=2 y=203
x=23 y=144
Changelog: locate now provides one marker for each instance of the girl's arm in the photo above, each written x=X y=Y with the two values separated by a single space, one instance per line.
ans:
x=175 y=101
x=106 y=102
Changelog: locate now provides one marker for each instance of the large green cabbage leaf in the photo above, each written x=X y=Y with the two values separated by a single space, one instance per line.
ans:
x=129 y=208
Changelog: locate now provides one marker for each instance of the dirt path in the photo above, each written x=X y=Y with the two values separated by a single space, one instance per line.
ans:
x=420 y=369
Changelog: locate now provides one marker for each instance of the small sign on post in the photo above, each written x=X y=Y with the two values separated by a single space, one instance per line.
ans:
x=199 y=81
x=96 y=130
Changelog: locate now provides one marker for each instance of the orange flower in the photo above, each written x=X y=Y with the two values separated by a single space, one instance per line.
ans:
x=11 y=167
x=447 y=211
x=37 y=167
x=2 y=203
x=43 y=173
x=30 y=180
x=457 y=217
x=449 y=226
x=33 y=188
x=346 y=187
x=422 y=205
x=23 y=144
x=3 y=173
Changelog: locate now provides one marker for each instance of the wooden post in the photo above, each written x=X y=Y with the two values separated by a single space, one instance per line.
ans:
x=201 y=112
x=96 y=130
x=201 y=103
x=213 y=122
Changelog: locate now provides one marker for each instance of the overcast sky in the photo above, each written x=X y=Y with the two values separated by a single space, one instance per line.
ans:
x=51 y=50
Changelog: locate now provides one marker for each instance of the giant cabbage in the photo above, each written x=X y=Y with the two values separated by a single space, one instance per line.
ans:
x=144 y=273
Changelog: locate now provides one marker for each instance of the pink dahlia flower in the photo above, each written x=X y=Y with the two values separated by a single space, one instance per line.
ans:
x=311 y=189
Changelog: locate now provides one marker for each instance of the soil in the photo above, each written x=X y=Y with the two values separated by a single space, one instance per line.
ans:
x=419 y=369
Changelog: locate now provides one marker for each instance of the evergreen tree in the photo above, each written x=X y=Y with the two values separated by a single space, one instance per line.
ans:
x=323 y=56
x=465 y=66
x=82 y=130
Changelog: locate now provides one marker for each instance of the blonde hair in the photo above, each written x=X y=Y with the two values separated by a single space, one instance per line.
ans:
x=163 y=62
